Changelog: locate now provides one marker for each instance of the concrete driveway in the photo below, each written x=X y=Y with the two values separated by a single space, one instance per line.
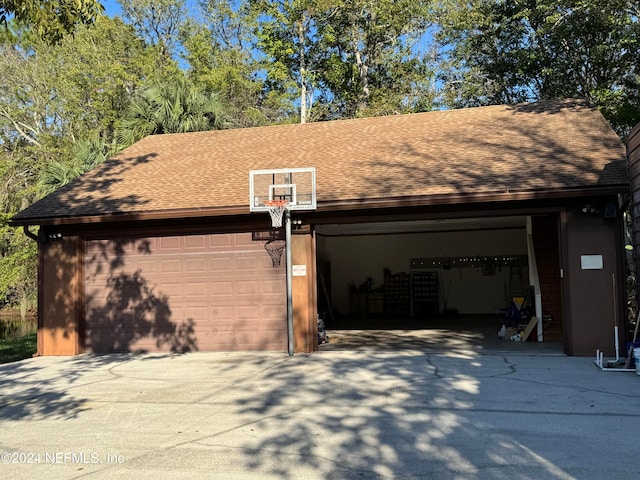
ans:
x=330 y=415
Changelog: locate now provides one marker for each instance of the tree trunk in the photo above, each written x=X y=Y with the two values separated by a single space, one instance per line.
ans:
x=303 y=69
x=362 y=65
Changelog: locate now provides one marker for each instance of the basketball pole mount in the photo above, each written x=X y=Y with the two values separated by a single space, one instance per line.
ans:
x=279 y=211
x=279 y=191
x=287 y=239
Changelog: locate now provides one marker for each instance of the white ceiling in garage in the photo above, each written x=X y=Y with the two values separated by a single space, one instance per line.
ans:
x=418 y=226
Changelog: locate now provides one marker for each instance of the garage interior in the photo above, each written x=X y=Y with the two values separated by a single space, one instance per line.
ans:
x=440 y=284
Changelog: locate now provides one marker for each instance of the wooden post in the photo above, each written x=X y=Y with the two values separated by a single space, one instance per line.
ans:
x=305 y=325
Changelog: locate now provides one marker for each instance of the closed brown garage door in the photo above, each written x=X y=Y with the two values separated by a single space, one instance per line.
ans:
x=190 y=293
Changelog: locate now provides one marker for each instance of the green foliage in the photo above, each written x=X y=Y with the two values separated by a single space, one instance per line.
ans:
x=87 y=154
x=17 y=266
x=219 y=51
x=171 y=106
x=284 y=35
x=354 y=58
x=50 y=98
x=376 y=61
x=58 y=173
x=523 y=50
x=157 y=22
x=59 y=109
x=96 y=98
x=50 y=19
x=17 y=349
x=323 y=58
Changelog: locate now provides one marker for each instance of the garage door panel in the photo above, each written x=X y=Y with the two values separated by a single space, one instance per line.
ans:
x=220 y=288
x=221 y=241
x=271 y=287
x=246 y=312
x=221 y=265
x=222 y=312
x=273 y=312
x=180 y=293
x=195 y=266
x=149 y=266
x=195 y=312
x=175 y=289
x=171 y=265
x=167 y=244
x=247 y=263
x=247 y=342
x=244 y=241
x=271 y=324
x=192 y=290
x=252 y=300
x=247 y=287
x=195 y=242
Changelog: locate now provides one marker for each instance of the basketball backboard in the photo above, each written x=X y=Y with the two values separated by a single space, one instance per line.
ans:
x=295 y=185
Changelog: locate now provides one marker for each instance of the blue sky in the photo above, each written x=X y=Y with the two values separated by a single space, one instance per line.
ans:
x=111 y=7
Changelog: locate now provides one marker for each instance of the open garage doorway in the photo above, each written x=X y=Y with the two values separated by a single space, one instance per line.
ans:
x=434 y=283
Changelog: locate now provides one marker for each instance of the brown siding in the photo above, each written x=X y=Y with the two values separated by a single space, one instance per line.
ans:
x=545 y=240
x=59 y=300
x=633 y=153
x=184 y=293
x=590 y=293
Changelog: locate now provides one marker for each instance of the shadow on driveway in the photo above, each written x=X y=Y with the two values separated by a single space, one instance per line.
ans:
x=330 y=415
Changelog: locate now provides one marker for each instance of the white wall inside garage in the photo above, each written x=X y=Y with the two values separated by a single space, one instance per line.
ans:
x=355 y=258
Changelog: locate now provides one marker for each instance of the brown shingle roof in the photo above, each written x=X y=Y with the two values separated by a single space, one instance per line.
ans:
x=537 y=147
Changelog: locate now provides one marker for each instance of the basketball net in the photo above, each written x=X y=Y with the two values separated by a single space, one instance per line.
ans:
x=276 y=209
x=275 y=248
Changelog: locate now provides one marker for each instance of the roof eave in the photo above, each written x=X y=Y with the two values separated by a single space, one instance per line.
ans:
x=488 y=197
x=329 y=205
x=130 y=216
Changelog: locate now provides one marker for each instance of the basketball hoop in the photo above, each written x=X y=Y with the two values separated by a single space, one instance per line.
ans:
x=276 y=209
x=274 y=248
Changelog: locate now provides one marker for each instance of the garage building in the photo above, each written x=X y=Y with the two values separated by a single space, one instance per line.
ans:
x=418 y=217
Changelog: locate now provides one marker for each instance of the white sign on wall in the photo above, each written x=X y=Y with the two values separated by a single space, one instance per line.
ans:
x=299 y=270
x=591 y=262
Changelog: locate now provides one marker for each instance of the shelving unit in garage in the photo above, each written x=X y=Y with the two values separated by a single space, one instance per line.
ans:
x=397 y=293
x=414 y=294
x=424 y=294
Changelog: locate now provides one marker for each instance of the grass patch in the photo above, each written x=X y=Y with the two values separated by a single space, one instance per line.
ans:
x=18 y=348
